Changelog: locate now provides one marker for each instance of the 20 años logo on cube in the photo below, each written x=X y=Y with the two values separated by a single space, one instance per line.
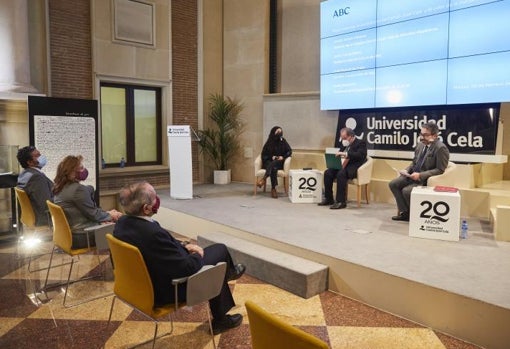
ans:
x=307 y=183
x=435 y=212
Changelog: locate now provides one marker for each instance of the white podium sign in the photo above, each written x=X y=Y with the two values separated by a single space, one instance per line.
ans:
x=179 y=159
x=434 y=214
x=305 y=186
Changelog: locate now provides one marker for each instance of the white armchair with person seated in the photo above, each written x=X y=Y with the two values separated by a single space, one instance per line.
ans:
x=260 y=172
x=447 y=178
x=363 y=179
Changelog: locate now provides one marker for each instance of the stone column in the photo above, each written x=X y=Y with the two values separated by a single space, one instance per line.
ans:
x=14 y=48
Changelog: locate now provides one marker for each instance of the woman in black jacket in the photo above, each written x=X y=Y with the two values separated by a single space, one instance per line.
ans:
x=275 y=151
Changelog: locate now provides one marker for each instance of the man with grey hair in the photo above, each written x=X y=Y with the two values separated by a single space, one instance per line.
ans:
x=431 y=158
x=167 y=258
x=354 y=153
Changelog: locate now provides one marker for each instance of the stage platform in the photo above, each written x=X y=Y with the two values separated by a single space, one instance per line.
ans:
x=461 y=288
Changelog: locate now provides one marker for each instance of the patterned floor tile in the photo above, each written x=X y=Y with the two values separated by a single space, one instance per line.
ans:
x=342 y=311
x=7 y=323
x=290 y=308
x=382 y=338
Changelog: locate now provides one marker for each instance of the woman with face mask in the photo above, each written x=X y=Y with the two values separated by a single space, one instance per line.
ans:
x=77 y=200
x=275 y=151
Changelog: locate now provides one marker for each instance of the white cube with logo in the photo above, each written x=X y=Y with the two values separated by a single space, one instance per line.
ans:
x=434 y=214
x=305 y=186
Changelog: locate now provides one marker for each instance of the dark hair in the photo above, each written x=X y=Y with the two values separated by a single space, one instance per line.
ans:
x=25 y=155
x=432 y=127
x=348 y=131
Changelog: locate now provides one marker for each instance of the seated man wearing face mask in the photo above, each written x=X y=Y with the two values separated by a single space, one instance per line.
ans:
x=34 y=182
x=167 y=258
x=354 y=152
x=77 y=200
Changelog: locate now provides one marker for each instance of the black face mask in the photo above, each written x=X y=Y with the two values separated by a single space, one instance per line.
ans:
x=278 y=136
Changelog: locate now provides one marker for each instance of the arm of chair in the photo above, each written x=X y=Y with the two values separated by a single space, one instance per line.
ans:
x=365 y=171
x=178 y=281
x=447 y=178
x=257 y=164
x=286 y=165
x=100 y=232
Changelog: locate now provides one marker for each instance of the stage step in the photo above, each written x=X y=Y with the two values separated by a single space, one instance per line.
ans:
x=297 y=275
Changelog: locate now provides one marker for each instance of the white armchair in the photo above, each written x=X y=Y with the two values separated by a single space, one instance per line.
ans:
x=259 y=172
x=363 y=178
x=447 y=178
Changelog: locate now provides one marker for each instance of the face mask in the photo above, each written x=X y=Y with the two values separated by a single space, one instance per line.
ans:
x=155 y=207
x=82 y=175
x=42 y=161
x=345 y=142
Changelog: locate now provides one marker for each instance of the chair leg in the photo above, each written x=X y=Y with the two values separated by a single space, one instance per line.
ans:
x=210 y=326
x=155 y=335
x=359 y=195
x=286 y=185
x=366 y=193
x=67 y=286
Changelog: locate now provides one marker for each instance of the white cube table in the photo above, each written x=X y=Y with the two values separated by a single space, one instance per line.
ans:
x=305 y=186
x=434 y=214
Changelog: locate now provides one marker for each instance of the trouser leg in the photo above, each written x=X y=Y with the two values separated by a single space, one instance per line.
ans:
x=402 y=195
x=222 y=303
x=329 y=177
x=341 y=183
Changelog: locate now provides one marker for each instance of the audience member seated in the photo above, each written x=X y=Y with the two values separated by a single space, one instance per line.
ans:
x=34 y=182
x=167 y=258
x=275 y=151
x=430 y=159
x=77 y=200
x=354 y=154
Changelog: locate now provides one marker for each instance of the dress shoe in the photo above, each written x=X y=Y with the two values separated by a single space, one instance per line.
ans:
x=274 y=194
x=338 y=206
x=226 y=323
x=237 y=272
x=326 y=203
x=403 y=216
x=261 y=182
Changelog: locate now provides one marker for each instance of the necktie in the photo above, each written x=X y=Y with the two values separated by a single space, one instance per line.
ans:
x=421 y=159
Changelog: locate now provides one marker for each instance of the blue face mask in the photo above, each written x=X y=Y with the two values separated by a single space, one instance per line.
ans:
x=42 y=161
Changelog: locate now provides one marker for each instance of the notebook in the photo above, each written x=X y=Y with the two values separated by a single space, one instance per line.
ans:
x=332 y=161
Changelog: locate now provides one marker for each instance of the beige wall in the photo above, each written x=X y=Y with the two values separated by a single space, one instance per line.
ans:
x=245 y=71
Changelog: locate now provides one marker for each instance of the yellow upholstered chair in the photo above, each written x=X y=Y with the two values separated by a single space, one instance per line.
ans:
x=447 y=178
x=27 y=219
x=63 y=240
x=133 y=285
x=260 y=172
x=363 y=179
x=268 y=332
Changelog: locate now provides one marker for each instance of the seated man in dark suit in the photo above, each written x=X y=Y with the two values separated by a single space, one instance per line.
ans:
x=34 y=182
x=354 y=152
x=167 y=259
x=431 y=158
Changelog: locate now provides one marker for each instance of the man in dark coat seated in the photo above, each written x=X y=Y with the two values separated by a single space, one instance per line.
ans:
x=167 y=258
x=354 y=154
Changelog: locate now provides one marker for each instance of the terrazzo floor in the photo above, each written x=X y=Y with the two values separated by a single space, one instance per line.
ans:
x=31 y=320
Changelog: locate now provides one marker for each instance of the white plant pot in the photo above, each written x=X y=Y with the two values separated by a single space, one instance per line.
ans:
x=221 y=177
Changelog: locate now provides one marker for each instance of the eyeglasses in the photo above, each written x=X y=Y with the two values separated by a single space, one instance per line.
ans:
x=425 y=134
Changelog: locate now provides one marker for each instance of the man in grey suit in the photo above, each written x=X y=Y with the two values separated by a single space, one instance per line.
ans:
x=34 y=182
x=431 y=158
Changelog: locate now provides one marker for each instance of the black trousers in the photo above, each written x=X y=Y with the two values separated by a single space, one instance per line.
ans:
x=221 y=304
x=272 y=168
x=341 y=183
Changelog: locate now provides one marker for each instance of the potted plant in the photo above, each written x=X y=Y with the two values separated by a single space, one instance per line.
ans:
x=220 y=142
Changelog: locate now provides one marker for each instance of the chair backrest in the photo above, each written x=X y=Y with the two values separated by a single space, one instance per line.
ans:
x=205 y=284
x=365 y=171
x=447 y=178
x=62 y=236
x=132 y=280
x=268 y=331
x=27 y=211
